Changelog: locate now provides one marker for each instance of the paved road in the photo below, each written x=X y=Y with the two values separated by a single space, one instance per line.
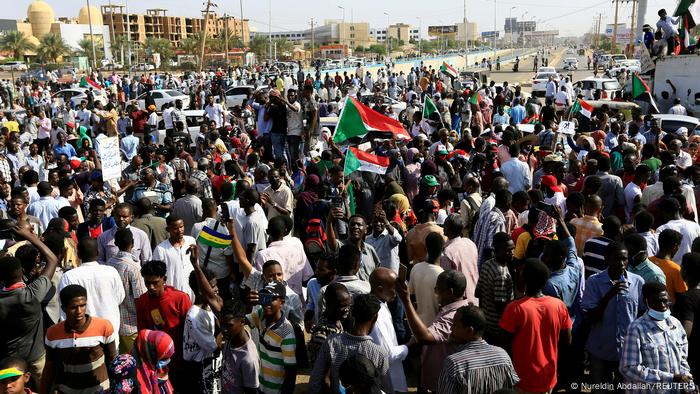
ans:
x=525 y=74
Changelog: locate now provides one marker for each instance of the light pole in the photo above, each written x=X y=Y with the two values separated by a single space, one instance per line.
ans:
x=466 y=36
x=494 y=30
x=420 y=31
x=342 y=27
x=388 y=37
x=92 y=37
x=523 y=21
x=269 y=27
x=510 y=19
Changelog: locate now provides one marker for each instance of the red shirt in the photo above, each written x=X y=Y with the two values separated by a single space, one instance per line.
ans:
x=516 y=233
x=139 y=119
x=165 y=313
x=536 y=324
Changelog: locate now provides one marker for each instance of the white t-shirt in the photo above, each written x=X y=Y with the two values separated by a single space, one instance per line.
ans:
x=422 y=285
x=632 y=190
x=295 y=121
x=215 y=112
x=689 y=230
x=168 y=118
x=198 y=342
x=178 y=264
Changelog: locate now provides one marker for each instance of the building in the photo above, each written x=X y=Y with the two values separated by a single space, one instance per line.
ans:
x=523 y=26
x=41 y=20
x=510 y=25
x=156 y=23
x=539 y=38
x=399 y=31
x=468 y=29
x=332 y=32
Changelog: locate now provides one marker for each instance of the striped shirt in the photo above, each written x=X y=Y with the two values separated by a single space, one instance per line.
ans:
x=495 y=287
x=477 y=367
x=339 y=348
x=130 y=274
x=80 y=356
x=277 y=348
x=594 y=255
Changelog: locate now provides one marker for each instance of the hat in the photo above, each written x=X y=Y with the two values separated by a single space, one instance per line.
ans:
x=551 y=182
x=553 y=158
x=430 y=180
x=277 y=289
x=441 y=150
x=151 y=107
x=682 y=131
x=70 y=124
x=8 y=373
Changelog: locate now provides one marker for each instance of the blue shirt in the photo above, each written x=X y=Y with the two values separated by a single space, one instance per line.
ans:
x=518 y=113
x=67 y=150
x=518 y=175
x=610 y=141
x=264 y=126
x=564 y=283
x=607 y=336
x=130 y=146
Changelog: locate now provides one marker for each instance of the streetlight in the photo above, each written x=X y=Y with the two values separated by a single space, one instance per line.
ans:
x=342 y=27
x=494 y=30
x=510 y=19
x=388 y=37
x=523 y=21
x=420 y=31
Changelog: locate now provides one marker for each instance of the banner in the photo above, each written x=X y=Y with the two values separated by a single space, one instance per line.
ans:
x=110 y=155
x=646 y=64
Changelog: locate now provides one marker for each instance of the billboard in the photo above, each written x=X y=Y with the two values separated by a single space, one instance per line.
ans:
x=442 y=30
x=490 y=34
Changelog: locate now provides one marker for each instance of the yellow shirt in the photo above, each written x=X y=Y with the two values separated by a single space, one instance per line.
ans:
x=12 y=126
x=674 y=281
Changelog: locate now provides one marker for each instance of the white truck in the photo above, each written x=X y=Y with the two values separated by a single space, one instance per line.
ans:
x=682 y=71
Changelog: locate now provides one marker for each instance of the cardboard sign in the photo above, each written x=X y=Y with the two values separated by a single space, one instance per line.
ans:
x=110 y=155
x=567 y=128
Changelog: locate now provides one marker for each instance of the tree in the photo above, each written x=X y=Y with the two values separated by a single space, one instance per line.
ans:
x=17 y=43
x=360 y=49
x=259 y=45
x=283 y=46
x=120 y=44
x=377 y=48
x=51 y=47
x=85 y=49
x=160 y=46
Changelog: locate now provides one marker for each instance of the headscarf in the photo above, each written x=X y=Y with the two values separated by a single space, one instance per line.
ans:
x=122 y=375
x=83 y=135
x=410 y=154
x=310 y=195
x=428 y=167
x=393 y=188
x=152 y=349
x=403 y=209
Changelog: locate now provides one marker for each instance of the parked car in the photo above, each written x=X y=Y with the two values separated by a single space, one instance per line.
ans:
x=670 y=123
x=194 y=119
x=236 y=94
x=13 y=66
x=74 y=96
x=546 y=70
x=539 y=83
x=162 y=96
x=143 y=67
x=571 y=63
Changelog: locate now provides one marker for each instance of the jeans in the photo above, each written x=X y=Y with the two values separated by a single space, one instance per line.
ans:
x=295 y=145
x=278 y=141
x=456 y=121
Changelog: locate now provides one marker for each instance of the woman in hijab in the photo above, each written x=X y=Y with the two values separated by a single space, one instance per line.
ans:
x=413 y=160
x=403 y=208
x=306 y=203
x=152 y=351
x=122 y=375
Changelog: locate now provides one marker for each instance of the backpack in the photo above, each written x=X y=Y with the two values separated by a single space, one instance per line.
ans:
x=316 y=239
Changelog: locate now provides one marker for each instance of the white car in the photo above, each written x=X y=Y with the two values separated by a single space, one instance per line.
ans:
x=546 y=70
x=633 y=65
x=571 y=63
x=74 y=96
x=617 y=59
x=670 y=123
x=161 y=96
x=143 y=67
x=194 y=119
x=13 y=66
x=235 y=95
x=607 y=85
x=539 y=83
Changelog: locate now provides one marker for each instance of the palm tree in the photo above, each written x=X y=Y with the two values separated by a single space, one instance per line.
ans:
x=283 y=46
x=85 y=49
x=17 y=43
x=51 y=47
x=119 y=44
x=160 y=46
x=259 y=45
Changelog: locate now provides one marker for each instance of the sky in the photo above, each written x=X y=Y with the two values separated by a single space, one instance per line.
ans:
x=575 y=19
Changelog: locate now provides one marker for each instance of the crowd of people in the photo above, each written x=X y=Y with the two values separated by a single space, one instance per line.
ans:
x=235 y=255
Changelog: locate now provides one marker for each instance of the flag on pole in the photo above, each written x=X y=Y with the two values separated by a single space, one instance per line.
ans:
x=475 y=98
x=357 y=160
x=641 y=92
x=583 y=107
x=214 y=238
x=428 y=107
x=356 y=120
x=689 y=11
x=448 y=70
x=86 y=82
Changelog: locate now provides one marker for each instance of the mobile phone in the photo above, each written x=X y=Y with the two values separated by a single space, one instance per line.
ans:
x=546 y=208
x=403 y=273
x=265 y=298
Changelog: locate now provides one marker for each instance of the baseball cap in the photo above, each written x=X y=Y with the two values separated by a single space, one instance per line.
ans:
x=551 y=182
x=430 y=180
x=277 y=289
x=553 y=158
x=11 y=372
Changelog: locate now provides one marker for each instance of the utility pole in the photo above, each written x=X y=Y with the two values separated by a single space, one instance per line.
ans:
x=466 y=35
x=613 y=44
x=600 y=21
x=204 y=35
x=494 y=31
x=341 y=27
x=128 y=35
x=388 y=37
x=226 y=18
x=634 y=14
x=269 y=26
x=242 y=37
x=92 y=37
x=420 y=30
x=313 y=44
